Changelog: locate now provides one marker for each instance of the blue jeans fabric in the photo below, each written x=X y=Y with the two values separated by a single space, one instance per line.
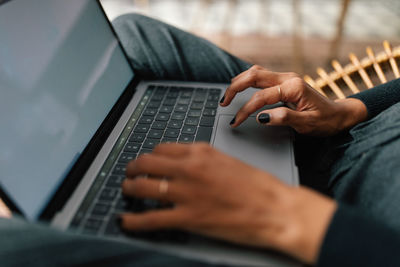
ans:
x=360 y=167
x=158 y=51
x=26 y=244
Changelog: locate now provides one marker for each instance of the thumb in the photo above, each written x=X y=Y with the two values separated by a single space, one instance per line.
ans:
x=281 y=116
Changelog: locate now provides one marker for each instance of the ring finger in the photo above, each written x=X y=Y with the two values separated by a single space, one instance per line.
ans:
x=152 y=188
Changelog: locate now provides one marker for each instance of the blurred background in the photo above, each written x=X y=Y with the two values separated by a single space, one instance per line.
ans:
x=282 y=35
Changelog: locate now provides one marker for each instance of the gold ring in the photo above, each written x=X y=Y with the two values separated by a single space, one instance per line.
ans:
x=163 y=187
x=280 y=92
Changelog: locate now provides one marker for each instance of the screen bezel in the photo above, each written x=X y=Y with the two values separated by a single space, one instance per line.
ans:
x=76 y=173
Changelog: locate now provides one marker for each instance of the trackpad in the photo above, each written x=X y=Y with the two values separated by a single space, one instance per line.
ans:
x=266 y=147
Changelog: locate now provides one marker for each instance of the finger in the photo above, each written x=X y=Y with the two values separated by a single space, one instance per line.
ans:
x=152 y=220
x=172 y=150
x=254 y=77
x=153 y=164
x=151 y=188
x=283 y=116
x=241 y=74
x=261 y=98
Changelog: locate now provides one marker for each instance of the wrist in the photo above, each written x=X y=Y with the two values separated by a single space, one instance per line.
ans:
x=307 y=217
x=351 y=111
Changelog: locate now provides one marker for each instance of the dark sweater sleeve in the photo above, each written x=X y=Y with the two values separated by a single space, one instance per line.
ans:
x=354 y=239
x=380 y=97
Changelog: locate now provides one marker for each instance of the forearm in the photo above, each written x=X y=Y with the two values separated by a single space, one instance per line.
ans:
x=321 y=232
x=304 y=217
x=380 y=97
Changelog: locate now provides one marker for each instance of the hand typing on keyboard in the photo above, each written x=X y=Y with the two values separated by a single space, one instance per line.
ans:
x=219 y=196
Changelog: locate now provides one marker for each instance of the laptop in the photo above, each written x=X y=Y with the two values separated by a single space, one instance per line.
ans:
x=73 y=113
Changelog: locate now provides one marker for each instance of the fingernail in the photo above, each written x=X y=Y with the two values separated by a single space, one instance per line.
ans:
x=264 y=118
x=222 y=100
x=233 y=120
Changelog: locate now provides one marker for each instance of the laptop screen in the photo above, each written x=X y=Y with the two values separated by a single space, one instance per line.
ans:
x=61 y=72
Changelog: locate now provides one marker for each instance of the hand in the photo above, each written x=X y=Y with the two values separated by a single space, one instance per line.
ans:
x=222 y=197
x=312 y=114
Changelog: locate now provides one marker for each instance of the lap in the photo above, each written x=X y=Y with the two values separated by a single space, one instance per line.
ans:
x=27 y=244
x=359 y=167
x=160 y=51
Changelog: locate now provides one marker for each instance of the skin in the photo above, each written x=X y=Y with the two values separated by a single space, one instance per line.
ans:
x=240 y=203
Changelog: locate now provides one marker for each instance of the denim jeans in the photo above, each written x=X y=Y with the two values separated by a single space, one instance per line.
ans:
x=360 y=167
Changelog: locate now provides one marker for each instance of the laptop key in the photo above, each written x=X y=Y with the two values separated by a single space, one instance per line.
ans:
x=184 y=101
x=181 y=108
x=108 y=194
x=198 y=106
x=137 y=137
x=114 y=181
x=168 y=140
x=209 y=112
x=216 y=91
x=207 y=121
x=169 y=102
x=213 y=97
x=101 y=209
x=142 y=128
x=166 y=109
x=211 y=104
x=119 y=169
x=186 y=94
x=155 y=134
x=186 y=138
x=204 y=134
x=157 y=97
x=192 y=121
x=172 y=133
x=175 y=124
x=145 y=151
x=122 y=204
x=159 y=125
x=199 y=98
x=150 y=112
x=178 y=116
x=146 y=120
x=154 y=104
x=150 y=143
x=194 y=113
x=173 y=94
x=191 y=130
x=162 y=117
x=161 y=89
x=126 y=157
x=132 y=147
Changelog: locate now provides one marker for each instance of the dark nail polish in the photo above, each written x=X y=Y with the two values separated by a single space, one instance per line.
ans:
x=264 y=118
x=233 y=120
x=222 y=100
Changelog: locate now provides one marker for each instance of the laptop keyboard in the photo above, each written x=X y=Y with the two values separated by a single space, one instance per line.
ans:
x=166 y=114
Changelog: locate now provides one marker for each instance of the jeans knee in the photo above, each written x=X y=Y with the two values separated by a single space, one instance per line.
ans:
x=135 y=18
